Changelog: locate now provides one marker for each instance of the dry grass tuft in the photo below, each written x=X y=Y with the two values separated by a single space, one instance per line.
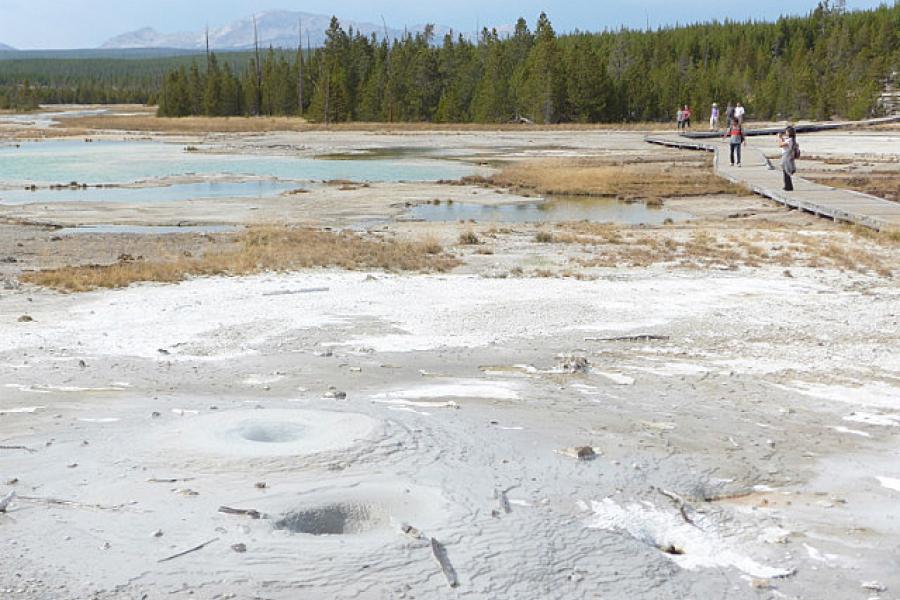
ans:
x=469 y=238
x=258 y=249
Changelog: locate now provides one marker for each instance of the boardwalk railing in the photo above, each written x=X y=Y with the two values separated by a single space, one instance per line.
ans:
x=759 y=175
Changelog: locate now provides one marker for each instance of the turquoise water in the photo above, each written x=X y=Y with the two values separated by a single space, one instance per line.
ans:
x=555 y=210
x=63 y=161
x=166 y=193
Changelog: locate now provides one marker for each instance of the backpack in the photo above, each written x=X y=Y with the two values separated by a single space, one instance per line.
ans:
x=796 y=150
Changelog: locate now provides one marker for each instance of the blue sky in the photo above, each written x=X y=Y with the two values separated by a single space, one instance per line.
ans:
x=88 y=23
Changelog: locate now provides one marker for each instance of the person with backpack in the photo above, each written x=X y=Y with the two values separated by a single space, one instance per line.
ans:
x=736 y=138
x=729 y=114
x=790 y=152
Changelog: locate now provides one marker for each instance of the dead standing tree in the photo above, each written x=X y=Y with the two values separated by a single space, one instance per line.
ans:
x=258 y=107
x=300 y=67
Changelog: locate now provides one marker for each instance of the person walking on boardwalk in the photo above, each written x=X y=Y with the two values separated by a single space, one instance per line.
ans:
x=687 y=116
x=714 y=117
x=739 y=112
x=736 y=138
x=729 y=114
x=679 y=119
x=790 y=152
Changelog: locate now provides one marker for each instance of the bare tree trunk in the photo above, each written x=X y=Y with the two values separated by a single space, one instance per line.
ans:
x=327 y=95
x=300 y=67
x=258 y=68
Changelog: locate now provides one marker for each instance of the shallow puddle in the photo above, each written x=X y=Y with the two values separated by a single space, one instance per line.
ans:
x=555 y=210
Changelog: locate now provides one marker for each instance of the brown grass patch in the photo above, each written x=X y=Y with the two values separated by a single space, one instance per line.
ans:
x=149 y=122
x=589 y=177
x=883 y=185
x=856 y=249
x=257 y=249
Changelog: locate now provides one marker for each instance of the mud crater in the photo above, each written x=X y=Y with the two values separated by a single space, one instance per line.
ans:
x=335 y=519
x=269 y=432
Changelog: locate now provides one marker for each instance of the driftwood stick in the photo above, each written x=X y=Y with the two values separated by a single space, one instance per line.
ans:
x=25 y=448
x=72 y=503
x=188 y=551
x=249 y=512
x=629 y=338
x=680 y=503
x=440 y=555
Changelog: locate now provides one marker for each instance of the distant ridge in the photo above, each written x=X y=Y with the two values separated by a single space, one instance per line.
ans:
x=6 y=48
x=276 y=28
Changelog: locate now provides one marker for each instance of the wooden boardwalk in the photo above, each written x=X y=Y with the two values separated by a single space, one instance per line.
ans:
x=765 y=179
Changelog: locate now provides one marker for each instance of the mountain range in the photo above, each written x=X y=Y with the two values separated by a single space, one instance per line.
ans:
x=5 y=47
x=276 y=28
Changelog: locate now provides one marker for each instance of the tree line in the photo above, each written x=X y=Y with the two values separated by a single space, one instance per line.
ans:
x=829 y=62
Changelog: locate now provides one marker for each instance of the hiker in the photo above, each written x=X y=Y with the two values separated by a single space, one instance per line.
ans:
x=679 y=119
x=739 y=112
x=736 y=138
x=714 y=118
x=687 y=116
x=790 y=152
x=729 y=114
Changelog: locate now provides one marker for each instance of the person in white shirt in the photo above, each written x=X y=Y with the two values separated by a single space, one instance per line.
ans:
x=739 y=112
x=714 y=117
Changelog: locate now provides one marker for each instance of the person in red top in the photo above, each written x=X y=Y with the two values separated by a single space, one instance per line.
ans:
x=736 y=137
x=687 y=116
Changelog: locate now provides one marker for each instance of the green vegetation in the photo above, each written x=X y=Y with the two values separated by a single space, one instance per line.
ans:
x=830 y=62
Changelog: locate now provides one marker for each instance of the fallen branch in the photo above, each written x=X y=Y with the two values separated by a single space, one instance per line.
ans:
x=25 y=448
x=440 y=555
x=680 y=503
x=169 y=480
x=248 y=512
x=188 y=551
x=71 y=503
x=296 y=292
x=630 y=338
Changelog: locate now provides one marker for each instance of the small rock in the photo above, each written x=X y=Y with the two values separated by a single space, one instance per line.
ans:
x=569 y=363
x=10 y=260
x=12 y=481
x=163 y=351
x=26 y=319
x=155 y=414
x=157 y=534
x=261 y=485
x=874 y=586
x=82 y=364
x=72 y=466
x=580 y=452
x=239 y=548
x=335 y=394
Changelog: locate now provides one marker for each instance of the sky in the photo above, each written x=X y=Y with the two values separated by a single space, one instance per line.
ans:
x=46 y=24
